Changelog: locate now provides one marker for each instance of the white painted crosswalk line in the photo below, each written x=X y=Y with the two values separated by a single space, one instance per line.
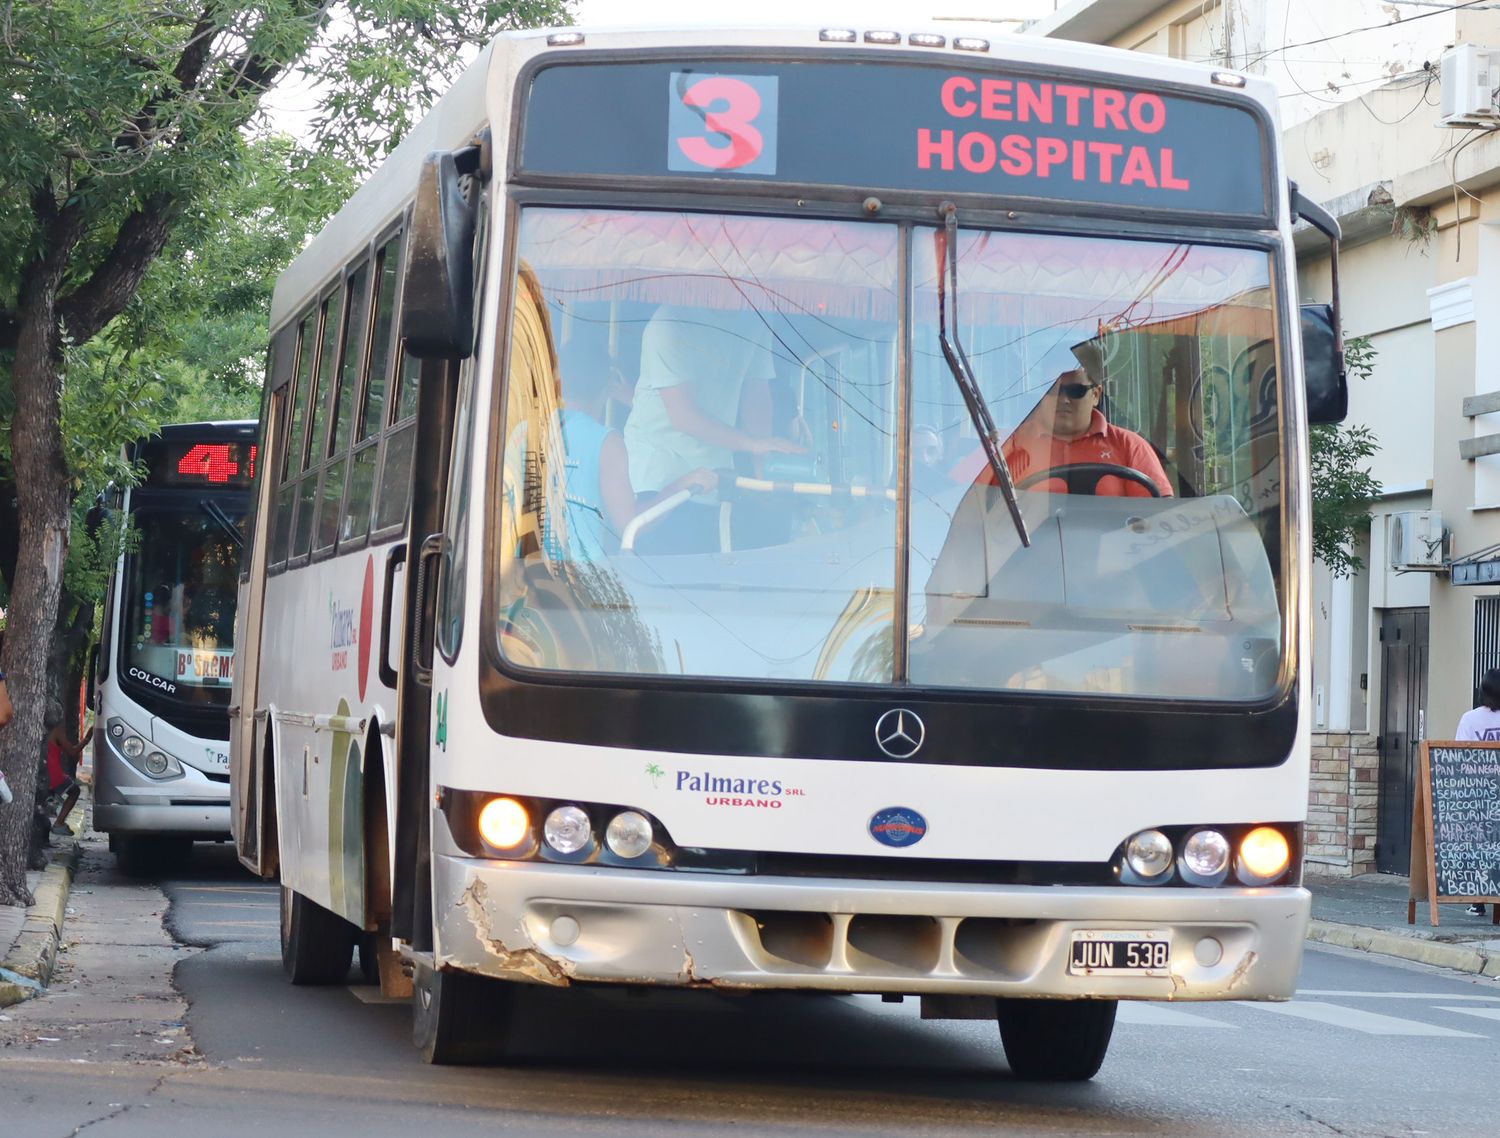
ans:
x=1340 y=993
x=1482 y=1013
x=1155 y=1015
x=1371 y=1023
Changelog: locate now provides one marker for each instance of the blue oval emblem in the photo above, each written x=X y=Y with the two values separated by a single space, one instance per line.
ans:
x=897 y=826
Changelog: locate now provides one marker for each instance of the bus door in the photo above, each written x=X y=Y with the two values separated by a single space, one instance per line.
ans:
x=252 y=798
x=439 y=314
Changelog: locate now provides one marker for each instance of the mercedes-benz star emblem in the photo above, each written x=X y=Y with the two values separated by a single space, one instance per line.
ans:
x=899 y=733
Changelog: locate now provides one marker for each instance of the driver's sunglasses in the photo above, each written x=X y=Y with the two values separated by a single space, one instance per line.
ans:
x=1075 y=390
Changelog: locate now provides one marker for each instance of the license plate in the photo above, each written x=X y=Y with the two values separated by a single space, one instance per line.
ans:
x=1120 y=952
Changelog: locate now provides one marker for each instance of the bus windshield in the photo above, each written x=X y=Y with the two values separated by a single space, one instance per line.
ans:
x=733 y=448
x=177 y=635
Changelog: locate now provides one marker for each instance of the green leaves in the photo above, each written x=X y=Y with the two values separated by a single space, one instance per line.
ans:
x=1343 y=488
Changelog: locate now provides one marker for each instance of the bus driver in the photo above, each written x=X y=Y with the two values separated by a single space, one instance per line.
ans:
x=1067 y=429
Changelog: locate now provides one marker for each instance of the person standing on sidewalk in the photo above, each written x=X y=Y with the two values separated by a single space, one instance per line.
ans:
x=7 y=713
x=1483 y=724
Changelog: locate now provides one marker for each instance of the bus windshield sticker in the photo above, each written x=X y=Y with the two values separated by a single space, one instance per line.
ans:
x=939 y=130
x=722 y=123
x=206 y=666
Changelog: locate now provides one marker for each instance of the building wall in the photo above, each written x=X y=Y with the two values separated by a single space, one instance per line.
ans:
x=1469 y=263
x=1310 y=49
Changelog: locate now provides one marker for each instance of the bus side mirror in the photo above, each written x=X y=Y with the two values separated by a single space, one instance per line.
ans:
x=1323 y=365
x=1322 y=324
x=437 y=299
x=93 y=678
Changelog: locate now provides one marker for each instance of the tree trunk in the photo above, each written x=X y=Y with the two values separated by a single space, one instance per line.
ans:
x=42 y=499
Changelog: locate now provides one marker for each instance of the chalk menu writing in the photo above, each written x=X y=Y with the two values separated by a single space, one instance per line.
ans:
x=1465 y=795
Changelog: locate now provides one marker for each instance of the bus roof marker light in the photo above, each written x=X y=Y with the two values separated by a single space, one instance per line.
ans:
x=882 y=37
x=629 y=834
x=565 y=39
x=970 y=43
x=504 y=823
x=838 y=35
x=926 y=39
x=1227 y=79
x=567 y=830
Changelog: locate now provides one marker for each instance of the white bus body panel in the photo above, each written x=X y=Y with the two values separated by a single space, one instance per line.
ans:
x=321 y=685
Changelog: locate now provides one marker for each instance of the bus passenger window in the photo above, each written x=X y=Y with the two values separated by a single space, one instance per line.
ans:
x=331 y=502
x=356 y=521
x=395 y=477
x=346 y=391
x=372 y=415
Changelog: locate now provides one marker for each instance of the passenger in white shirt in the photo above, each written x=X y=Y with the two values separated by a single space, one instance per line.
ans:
x=703 y=397
x=1483 y=723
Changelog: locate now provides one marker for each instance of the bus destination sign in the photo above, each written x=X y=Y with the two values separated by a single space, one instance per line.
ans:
x=904 y=127
x=212 y=465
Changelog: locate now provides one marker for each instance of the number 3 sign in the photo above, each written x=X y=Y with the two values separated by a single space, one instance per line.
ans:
x=722 y=123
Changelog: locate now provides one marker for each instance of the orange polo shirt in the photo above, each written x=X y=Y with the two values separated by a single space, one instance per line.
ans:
x=1031 y=449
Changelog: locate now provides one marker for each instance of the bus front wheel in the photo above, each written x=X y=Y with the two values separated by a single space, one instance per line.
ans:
x=316 y=945
x=459 y=1018
x=1055 y=1041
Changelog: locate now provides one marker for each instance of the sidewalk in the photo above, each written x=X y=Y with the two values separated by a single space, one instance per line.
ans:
x=1369 y=913
x=31 y=936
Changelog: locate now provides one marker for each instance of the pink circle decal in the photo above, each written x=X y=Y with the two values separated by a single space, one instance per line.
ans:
x=366 y=618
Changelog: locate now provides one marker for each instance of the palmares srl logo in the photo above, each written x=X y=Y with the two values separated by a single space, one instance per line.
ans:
x=728 y=790
x=343 y=634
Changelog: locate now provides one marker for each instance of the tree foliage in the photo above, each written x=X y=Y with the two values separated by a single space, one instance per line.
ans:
x=122 y=142
x=1343 y=488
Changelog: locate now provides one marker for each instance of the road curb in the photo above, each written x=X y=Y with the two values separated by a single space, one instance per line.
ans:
x=27 y=970
x=1442 y=954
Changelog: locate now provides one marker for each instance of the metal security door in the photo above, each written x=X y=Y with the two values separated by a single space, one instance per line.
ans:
x=1403 y=711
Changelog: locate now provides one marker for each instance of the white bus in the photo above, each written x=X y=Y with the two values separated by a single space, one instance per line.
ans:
x=166 y=651
x=663 y=573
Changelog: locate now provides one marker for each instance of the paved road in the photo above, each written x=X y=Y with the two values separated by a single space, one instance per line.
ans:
x=1369 y=1047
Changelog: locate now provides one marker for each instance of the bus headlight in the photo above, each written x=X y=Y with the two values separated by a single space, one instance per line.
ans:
x=568 y=830
x=629 y=834
x=504 y=823
x=1149 y=853
x=133 y=746
x=1264 y=855
x=157 y=763
x=1205 y=857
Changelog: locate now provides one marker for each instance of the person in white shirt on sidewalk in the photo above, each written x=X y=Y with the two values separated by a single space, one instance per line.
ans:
x=1483 y=724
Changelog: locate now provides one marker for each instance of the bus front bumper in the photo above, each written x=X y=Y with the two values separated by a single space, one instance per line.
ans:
x=128 y=802
x=555 y=925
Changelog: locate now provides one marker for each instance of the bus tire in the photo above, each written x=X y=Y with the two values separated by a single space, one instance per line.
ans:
x=316 y=945
x=143 y=855
x=1055 y=1041
x=460 y=1018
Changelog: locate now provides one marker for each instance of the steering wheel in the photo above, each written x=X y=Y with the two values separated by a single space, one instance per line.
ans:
x=1083 y=477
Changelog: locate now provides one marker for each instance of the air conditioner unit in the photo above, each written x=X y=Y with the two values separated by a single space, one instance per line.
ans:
x=1416 y=541
x=1469 y=77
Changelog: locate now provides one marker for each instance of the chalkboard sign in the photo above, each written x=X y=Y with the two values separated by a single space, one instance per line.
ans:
x=1456 y=826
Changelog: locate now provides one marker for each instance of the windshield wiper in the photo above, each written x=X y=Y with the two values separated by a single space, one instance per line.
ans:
x=963 y=374
x=213 y=510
